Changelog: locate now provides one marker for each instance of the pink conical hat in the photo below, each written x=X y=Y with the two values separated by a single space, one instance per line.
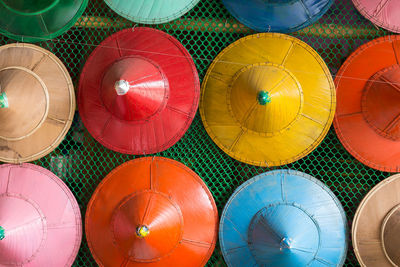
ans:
x=40 y=221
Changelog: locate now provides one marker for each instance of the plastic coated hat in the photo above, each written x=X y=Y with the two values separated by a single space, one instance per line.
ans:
x=37 y=102
x=139 y=91
x=40 y=221
x=38 y=20
x=376 y=225
x=267 y=99
x=367 y=115
x=384 y=14
x=151 y=11
x=152 y=212
x=283 y=218
x=277 y=16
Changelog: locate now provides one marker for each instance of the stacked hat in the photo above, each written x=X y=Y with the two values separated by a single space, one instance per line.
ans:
x=384 y=14
x=37 y=102
x=152 y=212
x=139 y=91
x=376 y=225
x=268 y=99
x=368 y=115
x=40 y=221
x=151 y=11
x=283 y=218
x=33 y=20
x=277 y=16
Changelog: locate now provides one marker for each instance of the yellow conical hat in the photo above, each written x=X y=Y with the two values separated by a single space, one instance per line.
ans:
x=268 y=99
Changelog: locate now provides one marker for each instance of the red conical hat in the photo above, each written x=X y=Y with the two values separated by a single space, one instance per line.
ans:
x=152 y=212
x=367 y=119
x=139 y=91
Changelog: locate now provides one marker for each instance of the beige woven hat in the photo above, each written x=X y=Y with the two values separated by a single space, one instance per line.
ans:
x=37 y=102
x=376 y=225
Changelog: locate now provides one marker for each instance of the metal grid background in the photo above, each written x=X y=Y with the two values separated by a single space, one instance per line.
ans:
x=82 y=162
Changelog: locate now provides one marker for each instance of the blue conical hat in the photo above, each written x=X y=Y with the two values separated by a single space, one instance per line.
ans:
x=283 y=218
x=277 y=15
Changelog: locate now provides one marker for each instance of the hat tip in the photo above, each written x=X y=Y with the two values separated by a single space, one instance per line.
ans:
x=122 y=87
x=2 y=233
x=3 y=100
x=142 y=231
x=263 y=98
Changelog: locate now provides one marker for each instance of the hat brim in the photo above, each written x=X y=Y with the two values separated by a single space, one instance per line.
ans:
x=59 y=209
x=163 y=129
x=156 y=11
x=273 y=17
x=180 y=184
x=48 y=135
x=354 y=132
x=387 y=17
x=294 y=142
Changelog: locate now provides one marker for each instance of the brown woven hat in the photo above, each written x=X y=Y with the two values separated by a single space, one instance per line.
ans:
x=37 y=102
x=376 y=225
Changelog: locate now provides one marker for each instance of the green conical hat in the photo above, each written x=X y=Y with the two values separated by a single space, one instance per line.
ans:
x=38 y=20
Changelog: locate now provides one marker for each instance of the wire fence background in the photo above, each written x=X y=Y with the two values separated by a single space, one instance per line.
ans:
x=82 y=162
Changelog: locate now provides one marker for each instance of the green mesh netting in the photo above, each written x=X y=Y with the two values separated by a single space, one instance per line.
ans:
x=82 y=162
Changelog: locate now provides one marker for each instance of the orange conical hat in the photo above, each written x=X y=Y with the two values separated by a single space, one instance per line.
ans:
x=152 y=212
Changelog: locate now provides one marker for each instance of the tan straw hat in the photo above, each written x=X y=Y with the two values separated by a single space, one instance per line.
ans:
x=376 y=225
x=37 y=102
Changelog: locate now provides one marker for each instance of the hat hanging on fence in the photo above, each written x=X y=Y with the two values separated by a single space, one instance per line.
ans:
x=139 y=91
x=367 y=115
x=34 y=21
x=283 y=218
x=268 y=99
x=376 y=225
x=151 y=11
x=152 y=212
x=37 y=102
x=277 y=16
x=40 y=221
x=384 y=14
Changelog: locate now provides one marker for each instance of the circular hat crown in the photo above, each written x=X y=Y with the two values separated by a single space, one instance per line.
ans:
x=134 y=88
x=380 y=100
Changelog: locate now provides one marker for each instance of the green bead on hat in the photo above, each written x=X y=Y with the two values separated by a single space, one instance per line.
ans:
x=2 y=233
x=263 y=98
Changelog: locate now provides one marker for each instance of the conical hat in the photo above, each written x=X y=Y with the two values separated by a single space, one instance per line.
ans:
x=151 y=11
x=384 y=14
x=376 y=225
x=37 y=20
x=152 y=212
x=267 y=99
x=367 y=115
x=277 y=16
x=283 y=218
x=40 y=221
x=139 y=91
x=38 y=102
